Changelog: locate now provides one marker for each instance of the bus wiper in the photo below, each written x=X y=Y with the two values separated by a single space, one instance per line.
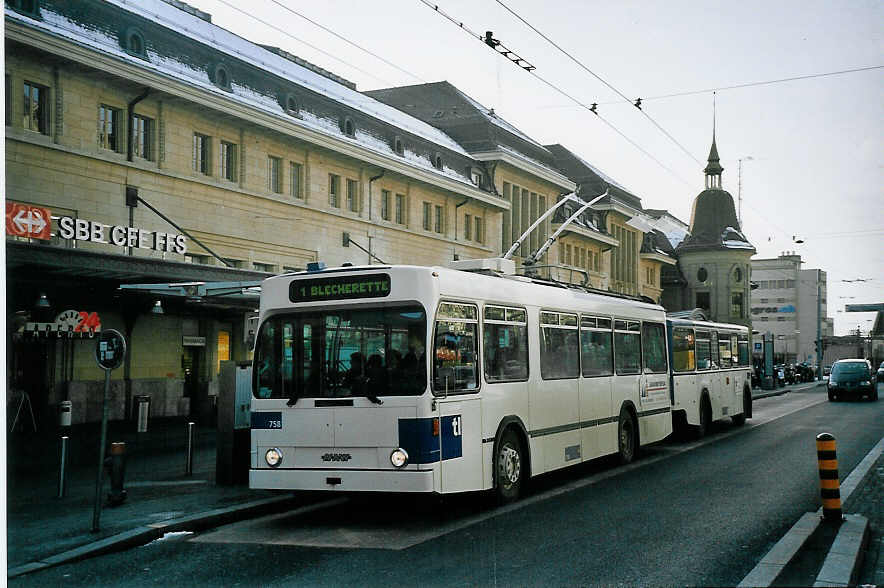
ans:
x=293 y=400
x=374 y=399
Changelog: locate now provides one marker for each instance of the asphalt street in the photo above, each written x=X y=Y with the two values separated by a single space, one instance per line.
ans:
x=700 y=513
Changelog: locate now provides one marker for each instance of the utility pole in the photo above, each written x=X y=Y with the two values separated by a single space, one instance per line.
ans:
x=819 y=339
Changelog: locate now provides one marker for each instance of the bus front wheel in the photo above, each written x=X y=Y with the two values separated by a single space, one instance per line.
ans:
x=509 y=468
x=627 y=437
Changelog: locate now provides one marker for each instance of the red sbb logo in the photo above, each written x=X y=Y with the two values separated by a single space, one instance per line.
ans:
x=23 y=220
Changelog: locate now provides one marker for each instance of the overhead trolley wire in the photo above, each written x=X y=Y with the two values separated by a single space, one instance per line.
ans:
x=288 y=34
x=348 y=41
x=636 y=103
x=591 y=109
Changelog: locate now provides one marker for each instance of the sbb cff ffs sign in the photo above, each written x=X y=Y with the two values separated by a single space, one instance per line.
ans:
x=24 y=220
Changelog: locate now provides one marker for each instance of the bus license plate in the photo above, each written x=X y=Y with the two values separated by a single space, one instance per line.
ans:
x=266 y=420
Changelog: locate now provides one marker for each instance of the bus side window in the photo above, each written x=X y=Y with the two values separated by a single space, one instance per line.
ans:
x=654 y=348
x=682 y=349
x=627 y=347
x=455 y=349
x=724 y=350
x=713 y=342
x=265 y=370
x=505 y=338
x=559 y=346
x=596 y=347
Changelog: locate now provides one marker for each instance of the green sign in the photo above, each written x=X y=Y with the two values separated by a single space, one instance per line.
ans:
x=339 y=288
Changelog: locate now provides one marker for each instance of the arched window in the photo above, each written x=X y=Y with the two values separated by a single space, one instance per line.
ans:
x=349 y=127
x=738 y=275
x=437 y=160
x=702 y=275
x=291 y=105
x=132 y=41
x=222 y=77
x=398 y=145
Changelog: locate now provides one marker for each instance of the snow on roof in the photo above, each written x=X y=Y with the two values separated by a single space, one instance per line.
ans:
x=602 y=174
x=494 y=118
x=520 y=155
x=216 y=37
x=732 y=244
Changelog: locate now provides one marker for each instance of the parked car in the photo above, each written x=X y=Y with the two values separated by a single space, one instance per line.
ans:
x=827 y=370
x=851 y=377
x=881 y=372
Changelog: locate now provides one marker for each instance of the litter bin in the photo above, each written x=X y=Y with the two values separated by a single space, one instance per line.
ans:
x=64 y=413
x=142 y=412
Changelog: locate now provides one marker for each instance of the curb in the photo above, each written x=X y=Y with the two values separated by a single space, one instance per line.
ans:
x=847 y=555
x=786 y=390
x=142 y=535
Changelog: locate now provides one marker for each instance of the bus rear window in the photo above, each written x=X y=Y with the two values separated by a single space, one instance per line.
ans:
x=343 y=353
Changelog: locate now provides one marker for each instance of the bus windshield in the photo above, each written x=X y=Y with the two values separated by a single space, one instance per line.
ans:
x=342 y=353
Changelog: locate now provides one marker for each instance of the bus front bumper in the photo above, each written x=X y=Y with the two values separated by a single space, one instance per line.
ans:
x=342 y=480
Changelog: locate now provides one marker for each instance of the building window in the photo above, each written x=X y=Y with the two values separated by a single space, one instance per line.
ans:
x=439 y=225
x=427 y=211
x=274 y=174
x=201 y=153
x=334 y=190
x=264 y=267
x=703 y=301
x=222 y=77
x=737 y=304
x=738 y=275
x=295 y=173
x=36 y=110
x=28 y=7
x=702 y=274
x=291 y=105
x=467 y=227
x=108 y=127
x=400 y=209
x=476 y=177
x=437 y=161
x=764 y=319
x=228 y=161
x=398 y=146
x=479 y=230
x=134 y=42
x=142 y=137
x=352 y=195
x=349 y=127
x=197 y=259
x=781 y=319
x=385 y=205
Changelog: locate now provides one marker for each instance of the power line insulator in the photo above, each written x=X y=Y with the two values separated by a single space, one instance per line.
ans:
x=490 y=40
x=638 y=103
x=593 y=107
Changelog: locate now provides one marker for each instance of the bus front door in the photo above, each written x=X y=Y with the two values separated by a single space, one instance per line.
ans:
x=460 y=443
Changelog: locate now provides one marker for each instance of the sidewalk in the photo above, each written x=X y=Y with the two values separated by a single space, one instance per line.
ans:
x=40 y=525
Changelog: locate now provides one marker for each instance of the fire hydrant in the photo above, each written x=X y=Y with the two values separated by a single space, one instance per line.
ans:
x=115 y=465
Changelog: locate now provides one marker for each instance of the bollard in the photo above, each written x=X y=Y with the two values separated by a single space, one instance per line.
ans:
x=188 y=463
x=62 y=467
x=830 y=487
x=117 y=494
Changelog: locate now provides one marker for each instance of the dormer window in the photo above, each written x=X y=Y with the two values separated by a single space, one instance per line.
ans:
x=222 y=77
x=476 y=177
x=437 y=160
x=291 y=105
x=398 y=145
x=133 y=42
x=27 y=7
x=349 y=127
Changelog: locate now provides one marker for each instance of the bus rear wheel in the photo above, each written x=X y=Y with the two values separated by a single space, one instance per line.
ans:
x=705 y=418
x=508 y=467
x=627 y=437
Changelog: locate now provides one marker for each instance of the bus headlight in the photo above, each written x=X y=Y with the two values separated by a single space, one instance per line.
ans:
x=273 y=457
x=399 y=458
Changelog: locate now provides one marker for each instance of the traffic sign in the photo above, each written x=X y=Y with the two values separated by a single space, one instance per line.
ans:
x=110 y=349
x=24 y=220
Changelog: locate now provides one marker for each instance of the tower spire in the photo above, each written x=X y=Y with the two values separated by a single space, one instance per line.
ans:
x=713 y=168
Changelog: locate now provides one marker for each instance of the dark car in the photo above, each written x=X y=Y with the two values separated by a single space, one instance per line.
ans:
x=852 y=377
x=881 y=372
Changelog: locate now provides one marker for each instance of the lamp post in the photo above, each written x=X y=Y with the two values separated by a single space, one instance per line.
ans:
x=740 y=188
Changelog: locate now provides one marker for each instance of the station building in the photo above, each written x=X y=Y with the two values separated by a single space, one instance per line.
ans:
x=146 y=145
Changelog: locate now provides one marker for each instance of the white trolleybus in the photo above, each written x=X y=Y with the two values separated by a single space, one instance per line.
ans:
x=711 y=374
x=432 y=379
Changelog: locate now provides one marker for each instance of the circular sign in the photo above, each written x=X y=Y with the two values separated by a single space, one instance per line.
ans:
x=110 y=349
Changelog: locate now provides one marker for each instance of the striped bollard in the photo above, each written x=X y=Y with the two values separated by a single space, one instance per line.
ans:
x=830 y=487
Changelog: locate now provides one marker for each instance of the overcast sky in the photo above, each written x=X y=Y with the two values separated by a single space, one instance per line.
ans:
x=816 y=144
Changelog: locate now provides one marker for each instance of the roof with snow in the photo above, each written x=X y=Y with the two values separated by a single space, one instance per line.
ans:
x=185 y=46
x=476 y=127
x=591 y=180
x=714 y=223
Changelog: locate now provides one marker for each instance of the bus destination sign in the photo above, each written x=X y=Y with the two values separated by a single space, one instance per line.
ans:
x=340 y=288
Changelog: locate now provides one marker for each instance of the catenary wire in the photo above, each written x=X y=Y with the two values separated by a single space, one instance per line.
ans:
x=480 y=38
x=602 y=80
x=348 y=41
x=288 y=34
